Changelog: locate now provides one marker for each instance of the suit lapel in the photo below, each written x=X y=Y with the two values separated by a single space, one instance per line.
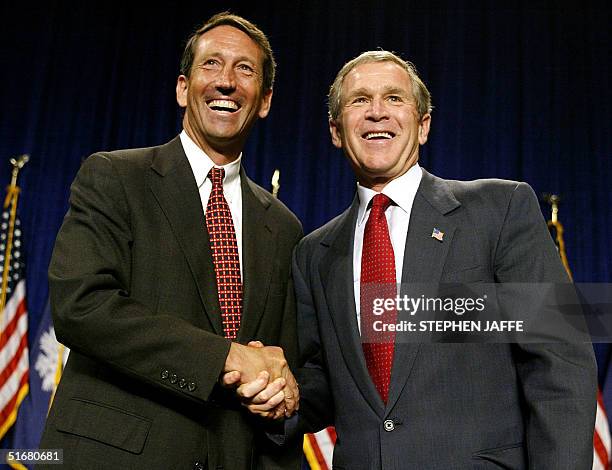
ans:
x=336 y=270
x=424 y=259
x=173 y=185
x=258 y=251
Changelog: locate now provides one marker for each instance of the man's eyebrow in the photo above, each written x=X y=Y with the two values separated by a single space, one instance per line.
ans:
x=359 y=91
x=386 y=91
x=219 y=55
x=395 y=90
x=246 y=59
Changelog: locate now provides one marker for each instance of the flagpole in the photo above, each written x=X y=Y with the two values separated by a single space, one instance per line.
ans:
x=12 y=196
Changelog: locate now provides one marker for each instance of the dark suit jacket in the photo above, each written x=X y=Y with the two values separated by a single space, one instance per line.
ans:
x=451 y=406
x=134 y=296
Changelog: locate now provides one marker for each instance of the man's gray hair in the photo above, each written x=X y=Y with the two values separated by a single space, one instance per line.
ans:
x=419 y=90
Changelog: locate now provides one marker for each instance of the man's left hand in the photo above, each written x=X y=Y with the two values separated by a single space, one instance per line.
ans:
x=262 y=397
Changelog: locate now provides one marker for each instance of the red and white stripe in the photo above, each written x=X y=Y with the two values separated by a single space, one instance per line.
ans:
x=14 y=364
x=601 y=437
x=319 y=449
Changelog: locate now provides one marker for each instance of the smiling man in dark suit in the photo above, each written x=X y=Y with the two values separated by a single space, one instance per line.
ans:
x=429 y=406
x=169 y=260
x=400 y=405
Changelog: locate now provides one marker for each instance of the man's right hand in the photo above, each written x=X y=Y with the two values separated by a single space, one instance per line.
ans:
x=266 y=385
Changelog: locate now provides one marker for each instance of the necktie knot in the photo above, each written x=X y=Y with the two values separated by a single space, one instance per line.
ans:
x=216 y=175
x=380 y=202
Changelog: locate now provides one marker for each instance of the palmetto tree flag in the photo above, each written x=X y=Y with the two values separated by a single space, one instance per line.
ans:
x=47 y=359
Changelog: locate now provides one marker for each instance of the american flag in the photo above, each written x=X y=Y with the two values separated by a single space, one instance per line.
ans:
x=601 y=434
x=437 y=234
x=601 y=437
x=14 y=364
x=319 y=449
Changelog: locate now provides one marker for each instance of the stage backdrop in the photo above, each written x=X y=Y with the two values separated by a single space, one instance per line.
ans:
x=520 y=92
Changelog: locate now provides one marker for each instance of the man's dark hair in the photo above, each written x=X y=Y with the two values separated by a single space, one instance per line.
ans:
x=229 y=19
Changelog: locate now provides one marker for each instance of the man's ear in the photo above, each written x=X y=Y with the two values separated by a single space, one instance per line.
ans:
x=424 y=128
x=182 y=85
x=335 y=132
x=266 y=102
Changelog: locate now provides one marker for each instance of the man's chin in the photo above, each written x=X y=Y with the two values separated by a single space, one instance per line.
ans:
x=224 y=137
x=377 y=173
x=226 y=143
x=383 y=172
x=227 y=132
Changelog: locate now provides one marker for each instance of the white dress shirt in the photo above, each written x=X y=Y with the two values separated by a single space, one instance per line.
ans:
x=201 y=165
x=402 y=192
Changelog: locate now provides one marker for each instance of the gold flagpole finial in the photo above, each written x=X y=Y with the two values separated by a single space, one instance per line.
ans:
x=18 y=163
x=554 y=223
x=275 y=182
x=12 y=190
x=553 y=200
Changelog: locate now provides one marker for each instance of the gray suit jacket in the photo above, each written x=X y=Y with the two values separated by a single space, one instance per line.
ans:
x=134 y=296
x=451 y=406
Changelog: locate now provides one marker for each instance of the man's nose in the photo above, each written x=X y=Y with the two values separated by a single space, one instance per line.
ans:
x=226 y=78
x=377 y=110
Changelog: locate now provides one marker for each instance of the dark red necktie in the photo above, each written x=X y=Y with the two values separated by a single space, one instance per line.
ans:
x=378 y=281
x=225 y=254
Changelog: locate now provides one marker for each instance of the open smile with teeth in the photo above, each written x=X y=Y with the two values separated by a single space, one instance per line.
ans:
x=382 y=135
x=223 y=105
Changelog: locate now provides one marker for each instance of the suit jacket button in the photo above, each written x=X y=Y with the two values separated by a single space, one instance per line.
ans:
x=182 y=383
x=198 y=466
x=165 y=374
x=173 y=378
x=389 y=425
x=191 y=386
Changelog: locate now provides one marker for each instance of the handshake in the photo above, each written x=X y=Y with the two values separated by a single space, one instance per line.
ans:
x=262 y=380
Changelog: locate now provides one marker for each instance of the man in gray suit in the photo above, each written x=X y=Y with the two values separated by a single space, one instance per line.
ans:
x=168 y=262
x=399 y=405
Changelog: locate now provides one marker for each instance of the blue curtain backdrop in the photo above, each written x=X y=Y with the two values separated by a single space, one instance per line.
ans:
x=521 y=91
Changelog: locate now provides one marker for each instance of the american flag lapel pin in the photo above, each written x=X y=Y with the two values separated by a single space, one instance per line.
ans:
x=437 y=234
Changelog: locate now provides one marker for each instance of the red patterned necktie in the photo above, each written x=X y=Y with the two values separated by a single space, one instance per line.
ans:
x=225 y=254
x=378 y=281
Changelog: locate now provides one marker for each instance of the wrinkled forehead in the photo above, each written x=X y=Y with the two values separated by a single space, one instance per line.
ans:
x=226 y=40
x=376 y=77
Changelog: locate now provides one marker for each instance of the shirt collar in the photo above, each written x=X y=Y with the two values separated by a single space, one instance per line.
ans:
x=202 y=163
x=401 y=190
